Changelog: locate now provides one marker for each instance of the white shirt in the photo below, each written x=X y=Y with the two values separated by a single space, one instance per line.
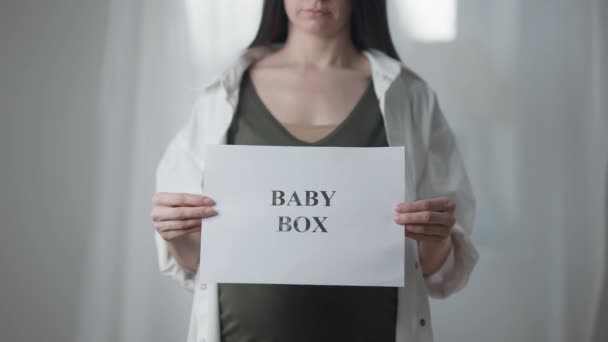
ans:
x=433 y=167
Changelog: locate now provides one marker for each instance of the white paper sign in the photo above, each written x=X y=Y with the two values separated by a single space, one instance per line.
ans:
x=303 y=215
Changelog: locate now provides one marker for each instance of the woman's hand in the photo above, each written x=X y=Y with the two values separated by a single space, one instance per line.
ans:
x=178 y=214
x=429 y=219
x=429 y=222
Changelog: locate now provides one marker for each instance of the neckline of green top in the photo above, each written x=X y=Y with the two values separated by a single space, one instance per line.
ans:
x=338 y=128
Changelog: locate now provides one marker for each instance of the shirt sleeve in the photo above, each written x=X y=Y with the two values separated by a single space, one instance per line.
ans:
x=444 y=174
x=178 y=171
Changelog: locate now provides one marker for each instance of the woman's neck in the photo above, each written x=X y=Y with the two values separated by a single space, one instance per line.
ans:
x=302 y=48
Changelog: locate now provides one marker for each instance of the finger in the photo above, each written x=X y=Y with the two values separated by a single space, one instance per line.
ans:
x=423 y=237
x=434 y=204
x=452 y=210
x=425 y=217
x=430 y=229
x=181 y=213
x=174 y=234
x=181 y=200
x=164 y=226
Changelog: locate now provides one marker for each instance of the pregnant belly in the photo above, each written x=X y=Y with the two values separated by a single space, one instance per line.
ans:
x=268 y=313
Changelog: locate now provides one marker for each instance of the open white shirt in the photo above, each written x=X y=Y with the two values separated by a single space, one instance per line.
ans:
x=434 y=168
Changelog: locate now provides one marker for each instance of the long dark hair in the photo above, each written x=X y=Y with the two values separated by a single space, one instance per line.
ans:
x=369 y=26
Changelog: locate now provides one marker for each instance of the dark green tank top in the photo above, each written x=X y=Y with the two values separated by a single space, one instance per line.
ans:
x=305 y=313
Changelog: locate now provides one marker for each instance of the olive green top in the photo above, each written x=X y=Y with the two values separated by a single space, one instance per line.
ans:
x=305 y=313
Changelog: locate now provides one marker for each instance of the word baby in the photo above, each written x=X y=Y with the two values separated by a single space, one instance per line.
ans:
x=302 y=224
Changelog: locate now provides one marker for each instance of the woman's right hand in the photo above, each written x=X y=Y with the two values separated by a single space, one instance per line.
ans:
x=179 y=214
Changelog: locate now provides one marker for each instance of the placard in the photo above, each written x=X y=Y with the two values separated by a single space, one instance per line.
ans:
x=303 y=215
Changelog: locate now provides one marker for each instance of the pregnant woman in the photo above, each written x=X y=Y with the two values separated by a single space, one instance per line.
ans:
x=320 y=73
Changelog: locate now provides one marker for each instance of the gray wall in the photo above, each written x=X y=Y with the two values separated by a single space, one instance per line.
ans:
x=50 y=58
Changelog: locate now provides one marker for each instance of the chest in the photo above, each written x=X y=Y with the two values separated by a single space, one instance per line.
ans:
x=254 y=123
x=309 y=97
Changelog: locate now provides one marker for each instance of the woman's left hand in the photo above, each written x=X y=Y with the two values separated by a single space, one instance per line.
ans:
x=428 y=219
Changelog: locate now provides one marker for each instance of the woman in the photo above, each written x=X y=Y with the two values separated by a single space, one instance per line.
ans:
x=321 y=73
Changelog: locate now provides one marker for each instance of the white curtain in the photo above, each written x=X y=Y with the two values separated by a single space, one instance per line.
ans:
x=523 y=84
x=156 y=53
x=600 y=148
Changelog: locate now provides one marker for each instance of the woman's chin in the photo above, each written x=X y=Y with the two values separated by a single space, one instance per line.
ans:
x=319 y=28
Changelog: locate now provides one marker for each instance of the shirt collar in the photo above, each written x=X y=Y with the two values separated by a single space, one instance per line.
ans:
x=385 y=70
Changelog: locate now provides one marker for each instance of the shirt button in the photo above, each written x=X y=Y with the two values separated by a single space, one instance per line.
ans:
x=203 y=287
x=422 y=322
